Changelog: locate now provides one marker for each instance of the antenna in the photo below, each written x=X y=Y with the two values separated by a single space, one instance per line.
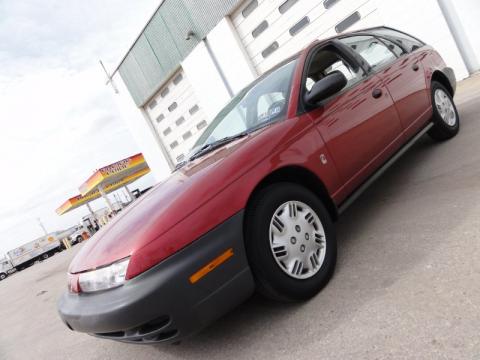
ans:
x=110 y=78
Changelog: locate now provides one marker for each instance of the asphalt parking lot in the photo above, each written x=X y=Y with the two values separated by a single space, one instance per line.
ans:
x=406 y=286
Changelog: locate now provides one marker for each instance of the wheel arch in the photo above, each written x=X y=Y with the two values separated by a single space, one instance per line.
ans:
x=440 y=77
x=298 y=175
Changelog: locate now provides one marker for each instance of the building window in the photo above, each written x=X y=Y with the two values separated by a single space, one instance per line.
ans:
x=167 y=131
x=349 y=21
x=201 y=125
x=180 y=157
x=194 y=109
x=249 y=8
x=180 y=121
x=164 y=92
x=187 y=135
x=172 y=107
x=327 y=4
x=178 y=79
x=174 y=144
x=152 y=104
x=270 y=50
x=260 y=28
x=160 y=118
x=286 y=6
x=295 y=29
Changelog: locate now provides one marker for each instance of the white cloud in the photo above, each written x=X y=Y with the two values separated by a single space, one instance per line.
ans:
x=58 y=120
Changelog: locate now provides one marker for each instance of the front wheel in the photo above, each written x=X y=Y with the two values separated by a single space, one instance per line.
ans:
x=290 y=241
x=3 y=276
x=446 y=122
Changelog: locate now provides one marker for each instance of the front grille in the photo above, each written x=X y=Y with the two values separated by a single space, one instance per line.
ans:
x=158 y=330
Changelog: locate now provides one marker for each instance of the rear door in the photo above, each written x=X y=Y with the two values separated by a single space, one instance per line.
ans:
x=359 y=125
x=402 y=73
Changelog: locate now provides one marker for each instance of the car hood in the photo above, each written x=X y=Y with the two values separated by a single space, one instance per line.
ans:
x=159 y=210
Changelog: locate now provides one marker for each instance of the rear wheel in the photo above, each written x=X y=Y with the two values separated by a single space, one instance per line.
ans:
x=290 y=241
x=446 y=122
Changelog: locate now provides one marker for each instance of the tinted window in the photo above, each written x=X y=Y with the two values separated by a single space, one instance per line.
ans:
x=393 y=47
x=152 y=104
x=160 y=118
x=249 y=8
x=326 y=61
x=409 y=43
x=295 y=29
x=180 y=121
x=178 y=79
x=187 y=135
x=270 y=50
x=193 y=109
x=260 y=29
x=286 y=6
x=201 y=125
x=349 y=21
x=329 y=3
x=172 y=107
x=375 y=53
x=164 y=92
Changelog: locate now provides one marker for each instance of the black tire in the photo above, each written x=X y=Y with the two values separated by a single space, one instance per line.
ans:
x=45 y=256
x=79 y=239
x=442 y=131
x=271 y=280
x=3 y=276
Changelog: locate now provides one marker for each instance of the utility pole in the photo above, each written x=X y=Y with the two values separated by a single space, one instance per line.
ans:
x=42 y=226
x=110 y=78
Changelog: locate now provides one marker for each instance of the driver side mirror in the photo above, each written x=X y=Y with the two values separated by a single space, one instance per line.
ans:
x=326 y=87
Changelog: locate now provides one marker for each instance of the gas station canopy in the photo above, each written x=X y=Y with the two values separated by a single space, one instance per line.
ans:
x=106 y=180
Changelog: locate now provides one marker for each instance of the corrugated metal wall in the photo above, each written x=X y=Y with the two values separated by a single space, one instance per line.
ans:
x=162 y=46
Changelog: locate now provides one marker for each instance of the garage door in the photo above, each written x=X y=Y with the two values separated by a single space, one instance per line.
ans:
x=272 y=30
x=177 y=116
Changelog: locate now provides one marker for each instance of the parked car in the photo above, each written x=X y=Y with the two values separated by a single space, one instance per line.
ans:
x=254 y=206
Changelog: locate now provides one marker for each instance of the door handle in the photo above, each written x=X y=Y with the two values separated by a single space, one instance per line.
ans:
x=415 y=67
x=377 y=93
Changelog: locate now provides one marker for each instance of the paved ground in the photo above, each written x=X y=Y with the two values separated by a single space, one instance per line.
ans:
x=407 y=284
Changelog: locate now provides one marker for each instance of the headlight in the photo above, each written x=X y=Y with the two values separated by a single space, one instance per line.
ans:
x=105 y=278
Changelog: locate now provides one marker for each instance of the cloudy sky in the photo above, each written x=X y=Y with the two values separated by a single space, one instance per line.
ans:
x=58 y=120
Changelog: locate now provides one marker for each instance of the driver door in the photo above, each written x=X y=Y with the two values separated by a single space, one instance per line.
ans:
x=359 y=125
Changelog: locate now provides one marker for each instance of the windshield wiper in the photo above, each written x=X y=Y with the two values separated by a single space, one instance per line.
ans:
x=216 y=144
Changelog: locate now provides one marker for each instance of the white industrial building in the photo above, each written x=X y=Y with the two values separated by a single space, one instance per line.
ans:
x=194 y=55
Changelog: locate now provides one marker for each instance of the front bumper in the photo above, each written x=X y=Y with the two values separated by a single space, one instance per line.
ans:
x=162 y=305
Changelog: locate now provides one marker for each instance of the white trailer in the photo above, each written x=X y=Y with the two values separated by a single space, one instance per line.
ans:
x=5 y=268
x=39 y=249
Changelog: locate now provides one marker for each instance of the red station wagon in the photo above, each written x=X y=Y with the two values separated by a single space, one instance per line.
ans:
x=255 y=204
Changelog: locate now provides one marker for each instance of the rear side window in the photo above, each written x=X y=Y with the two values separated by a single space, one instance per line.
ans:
x=375 y=53
x=397 y=50
x=406 y=41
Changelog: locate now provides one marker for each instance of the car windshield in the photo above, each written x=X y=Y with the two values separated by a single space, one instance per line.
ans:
x=261 y=103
